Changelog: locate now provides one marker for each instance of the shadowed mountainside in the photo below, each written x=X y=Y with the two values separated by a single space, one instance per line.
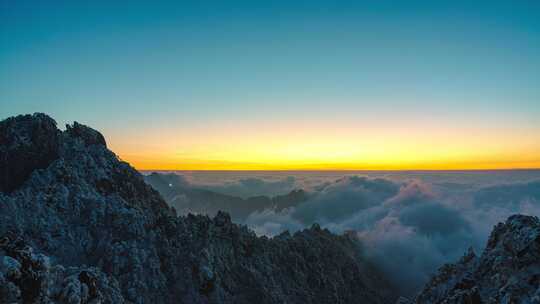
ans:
x=78 y=225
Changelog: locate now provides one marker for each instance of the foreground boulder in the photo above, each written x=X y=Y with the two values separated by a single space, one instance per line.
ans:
x=508 y=271
x=77 y=225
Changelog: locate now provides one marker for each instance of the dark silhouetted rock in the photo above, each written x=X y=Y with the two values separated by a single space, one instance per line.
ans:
x=27 y=143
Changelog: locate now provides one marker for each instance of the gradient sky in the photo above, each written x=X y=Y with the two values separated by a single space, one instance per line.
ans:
x=284 y=84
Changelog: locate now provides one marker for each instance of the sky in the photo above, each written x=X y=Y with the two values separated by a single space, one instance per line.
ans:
x=236 y=85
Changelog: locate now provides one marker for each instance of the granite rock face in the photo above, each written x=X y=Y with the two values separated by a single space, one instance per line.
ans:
x=77 y=225
x=508 y=271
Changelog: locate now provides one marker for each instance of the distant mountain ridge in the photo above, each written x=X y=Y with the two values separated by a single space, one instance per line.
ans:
x=77 y=225
x=190 y=199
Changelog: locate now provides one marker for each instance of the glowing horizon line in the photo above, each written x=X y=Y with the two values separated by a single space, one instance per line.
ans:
x=345 y=170
x=507 y=166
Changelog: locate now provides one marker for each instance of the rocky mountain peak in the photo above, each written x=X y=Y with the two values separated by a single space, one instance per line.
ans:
x=78 y=225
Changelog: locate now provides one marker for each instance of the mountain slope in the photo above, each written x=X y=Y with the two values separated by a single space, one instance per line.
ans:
x=77 y=225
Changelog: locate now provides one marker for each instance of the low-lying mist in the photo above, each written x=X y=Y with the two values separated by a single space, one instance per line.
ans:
x=408 y=225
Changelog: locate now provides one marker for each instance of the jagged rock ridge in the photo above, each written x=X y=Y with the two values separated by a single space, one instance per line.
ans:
x=77 y=225
x=508 y=271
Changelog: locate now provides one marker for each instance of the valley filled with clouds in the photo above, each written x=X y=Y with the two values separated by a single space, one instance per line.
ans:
x=409 y=223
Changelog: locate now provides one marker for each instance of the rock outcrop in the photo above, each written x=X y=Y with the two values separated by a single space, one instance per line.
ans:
x=27 y=143
x=508 y=271
x=77 y=225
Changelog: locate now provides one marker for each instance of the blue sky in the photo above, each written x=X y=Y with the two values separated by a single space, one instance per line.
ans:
x=132 y=68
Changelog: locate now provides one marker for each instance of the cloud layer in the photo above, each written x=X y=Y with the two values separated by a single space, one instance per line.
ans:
x=406 y=228
x=409 y=224
x=253 y=186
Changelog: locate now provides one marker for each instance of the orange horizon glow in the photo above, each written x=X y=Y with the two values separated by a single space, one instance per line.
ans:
x=424 y=146
x=214 y=165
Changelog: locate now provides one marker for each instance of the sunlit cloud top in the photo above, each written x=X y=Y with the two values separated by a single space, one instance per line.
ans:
x=282 y=85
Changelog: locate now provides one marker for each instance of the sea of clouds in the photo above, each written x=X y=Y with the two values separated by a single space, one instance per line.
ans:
x=408 y=224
